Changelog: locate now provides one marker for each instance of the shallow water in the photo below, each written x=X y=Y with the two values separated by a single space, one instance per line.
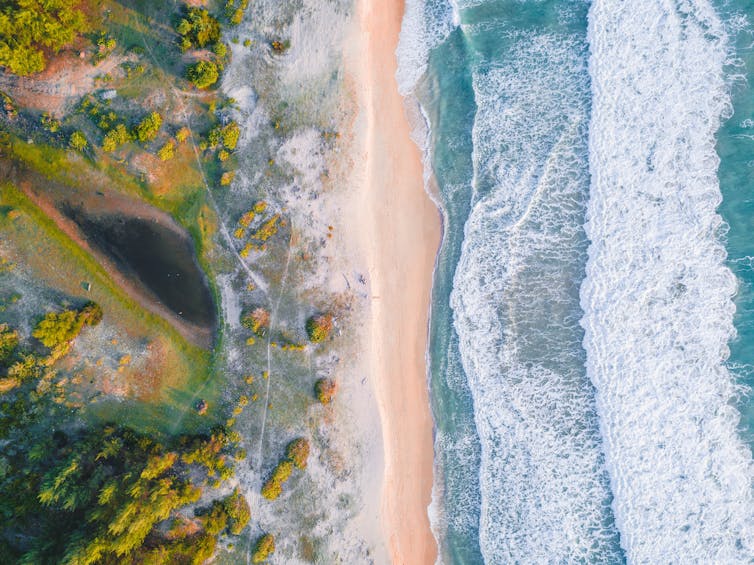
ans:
x=587 y=411
x=160 y=258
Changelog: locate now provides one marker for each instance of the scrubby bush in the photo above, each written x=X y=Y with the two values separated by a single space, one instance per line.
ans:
x=227 y=178
x=271 y=490
x=297 y=452
x=148 y=128
x=29 y=28
x=318 y=328
x=58 y=328
x=8 y=342
x=220 y=49
x=91 y=313
x=230 y=135
x=167 y=151
x=273 y=487
x=258 y=321
x=183 y=134
x=264 y=547
x=238 y=511
x=215 y=520
x=280 y=46
x=115 y=138
x=203 y=74
x=78 y=141
x=267 y=229
x=325 y=390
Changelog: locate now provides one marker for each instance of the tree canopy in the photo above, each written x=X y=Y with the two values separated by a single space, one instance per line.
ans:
x=203 y=74
x=28 y=28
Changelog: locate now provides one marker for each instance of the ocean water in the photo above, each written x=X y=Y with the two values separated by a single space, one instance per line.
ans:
x=592 y=332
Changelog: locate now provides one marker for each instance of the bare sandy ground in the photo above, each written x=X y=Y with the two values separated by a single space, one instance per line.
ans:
x=399 y=231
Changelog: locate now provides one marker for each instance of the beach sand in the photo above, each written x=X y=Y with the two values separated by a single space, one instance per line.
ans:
x=399 y=230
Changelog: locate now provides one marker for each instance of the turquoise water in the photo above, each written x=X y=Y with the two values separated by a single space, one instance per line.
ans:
x=586 y=407
x=736 y=149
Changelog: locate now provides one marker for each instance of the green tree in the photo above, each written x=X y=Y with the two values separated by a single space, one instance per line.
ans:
x=318 y=328
x=203 y=74
x=29 y=27
x=325 y=390
x=230 y=135
x=297 y=452
x=264 y=547
x=167 y=151
x=115 y=138
x=148 y=128
x=198 y=28
x=238 y=511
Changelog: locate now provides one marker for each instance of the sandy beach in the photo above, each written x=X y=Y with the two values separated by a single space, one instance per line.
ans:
x=399 y=227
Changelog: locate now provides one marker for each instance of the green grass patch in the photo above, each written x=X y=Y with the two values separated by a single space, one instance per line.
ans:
x=56 y=258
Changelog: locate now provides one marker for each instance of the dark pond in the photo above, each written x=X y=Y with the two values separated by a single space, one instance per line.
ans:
x=161 y=259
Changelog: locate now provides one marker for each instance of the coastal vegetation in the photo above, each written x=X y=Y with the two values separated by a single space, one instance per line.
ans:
x=263 y=548
x=203 y=74
x=324 y=390
x=296 y=455
x=125 y=427
x=100 y=493
x=319 y=327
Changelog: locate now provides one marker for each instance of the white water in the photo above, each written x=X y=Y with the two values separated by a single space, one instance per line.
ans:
x=544 y=487
x=426 y=24
x=657 y=297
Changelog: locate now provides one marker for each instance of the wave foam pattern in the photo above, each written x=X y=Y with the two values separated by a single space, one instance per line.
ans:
x=426 y=24
x=657 y=297
x=545 y=495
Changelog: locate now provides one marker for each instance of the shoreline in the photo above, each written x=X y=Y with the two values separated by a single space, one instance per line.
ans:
x=399 y=231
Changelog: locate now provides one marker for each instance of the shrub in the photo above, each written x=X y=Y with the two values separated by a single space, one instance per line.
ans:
x=238 y=511
x=8 y=342
x=203 y=74
x=167 y=151
x=258 y=321
x=148 y=127
x=58 y=328
x=216 y=519
x=325 y=390
x=183 y=134
x=227 y=178
x=237 y=16
x=220 y=49
x=282 y=472
x=115 y=138
x=267 y=229
x=91 y=313
x=78 y=141
x=297 y=452
x=230 y=134
x=271 y=490
x=318 y=328
x=280 y=46
x=264 y=547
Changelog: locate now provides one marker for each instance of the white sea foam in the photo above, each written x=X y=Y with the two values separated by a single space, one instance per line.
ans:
x=545 y=496
x=657 y=297
x=426 y=24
